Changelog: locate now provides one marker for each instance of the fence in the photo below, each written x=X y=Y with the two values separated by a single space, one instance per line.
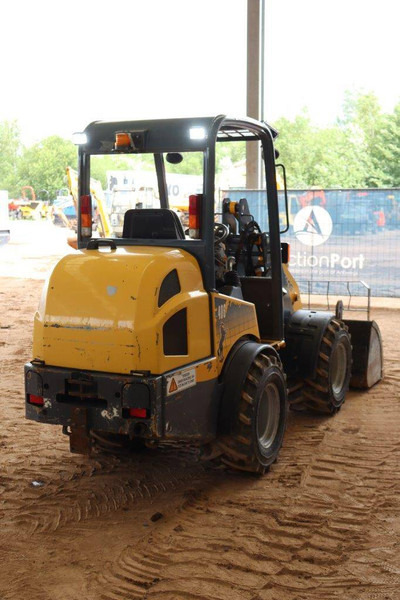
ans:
x=338 y=236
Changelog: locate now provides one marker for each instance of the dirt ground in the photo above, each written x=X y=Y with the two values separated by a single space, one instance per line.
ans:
x=161 y=525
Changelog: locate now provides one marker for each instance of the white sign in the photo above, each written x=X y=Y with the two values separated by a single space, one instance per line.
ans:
x=312 y=225
x=181 y=380
x=329 y=261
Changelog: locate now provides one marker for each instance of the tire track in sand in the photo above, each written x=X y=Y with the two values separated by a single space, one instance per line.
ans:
x=308 y=530
x=323 y=524
x=92 y=489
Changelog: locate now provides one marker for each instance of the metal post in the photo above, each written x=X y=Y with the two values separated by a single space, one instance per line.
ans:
x=262 y=60
x=253 y=89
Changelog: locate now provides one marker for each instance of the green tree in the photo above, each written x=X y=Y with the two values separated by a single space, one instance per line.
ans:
x=364 y=122
x=389 y=149
x=337 y=160
x=10 y=148
x=296 y=148
x=43 y=165
x=99 y=165
x=321 y=157
x=192 y=164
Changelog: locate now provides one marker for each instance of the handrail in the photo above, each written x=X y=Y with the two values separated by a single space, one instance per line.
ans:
x=349 y=291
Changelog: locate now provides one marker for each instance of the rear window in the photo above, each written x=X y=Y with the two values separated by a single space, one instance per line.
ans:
x=129 y=181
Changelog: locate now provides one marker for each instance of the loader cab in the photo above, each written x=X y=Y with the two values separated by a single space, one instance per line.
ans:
x=188 y=162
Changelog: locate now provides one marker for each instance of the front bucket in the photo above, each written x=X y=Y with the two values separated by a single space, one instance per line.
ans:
x=367 y=366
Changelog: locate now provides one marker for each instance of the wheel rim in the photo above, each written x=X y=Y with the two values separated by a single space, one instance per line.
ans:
x=338 y=369
x=268 y=416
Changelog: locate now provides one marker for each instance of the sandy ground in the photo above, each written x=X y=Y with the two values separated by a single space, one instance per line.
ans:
x=160 y=525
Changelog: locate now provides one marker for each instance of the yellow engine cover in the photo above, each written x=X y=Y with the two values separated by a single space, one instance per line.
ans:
x=100 y=311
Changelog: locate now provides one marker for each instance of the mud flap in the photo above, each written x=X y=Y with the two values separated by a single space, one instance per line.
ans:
x=79 y=439
x=367 y=366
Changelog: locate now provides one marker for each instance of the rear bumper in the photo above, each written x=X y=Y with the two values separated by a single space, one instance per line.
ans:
x=187 y=411
x=105 y=399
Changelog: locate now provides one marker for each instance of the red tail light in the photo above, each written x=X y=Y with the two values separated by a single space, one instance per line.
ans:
x=86 y=215
x=38 y=400
x=138 y=413
x=195 y=215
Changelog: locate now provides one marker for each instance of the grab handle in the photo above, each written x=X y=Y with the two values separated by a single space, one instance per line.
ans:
x=95 y=243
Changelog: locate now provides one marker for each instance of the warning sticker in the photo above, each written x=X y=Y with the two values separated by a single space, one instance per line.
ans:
x=181 y=380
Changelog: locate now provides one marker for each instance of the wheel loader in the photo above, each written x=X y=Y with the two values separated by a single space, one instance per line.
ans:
x=194 y=335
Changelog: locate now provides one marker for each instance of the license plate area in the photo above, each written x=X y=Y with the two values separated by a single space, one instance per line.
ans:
x=81 y=392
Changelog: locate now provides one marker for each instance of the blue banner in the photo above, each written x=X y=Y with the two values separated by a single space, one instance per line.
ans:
x=338 y=236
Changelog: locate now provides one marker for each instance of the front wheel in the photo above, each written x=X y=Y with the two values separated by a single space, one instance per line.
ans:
x=326 y=392
x=261 y=419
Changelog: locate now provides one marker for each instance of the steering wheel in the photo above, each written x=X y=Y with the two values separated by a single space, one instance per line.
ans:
x=221 y=232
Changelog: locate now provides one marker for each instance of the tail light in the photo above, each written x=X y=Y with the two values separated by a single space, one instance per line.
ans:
x=86 y=216
x=195 y=215
x=138 y=413
x=38 y=400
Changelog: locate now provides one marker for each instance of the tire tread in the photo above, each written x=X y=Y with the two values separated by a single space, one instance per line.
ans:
x=316 y=395
x=237 y=450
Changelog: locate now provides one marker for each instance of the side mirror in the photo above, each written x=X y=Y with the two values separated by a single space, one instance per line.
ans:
x=174 y=158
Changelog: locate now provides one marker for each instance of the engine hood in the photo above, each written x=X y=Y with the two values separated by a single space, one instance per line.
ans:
x=100 y=310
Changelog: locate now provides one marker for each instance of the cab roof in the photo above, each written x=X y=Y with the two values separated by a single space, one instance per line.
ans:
x=169 y=135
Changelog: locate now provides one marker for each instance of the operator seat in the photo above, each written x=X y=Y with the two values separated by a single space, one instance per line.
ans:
x=152 y=223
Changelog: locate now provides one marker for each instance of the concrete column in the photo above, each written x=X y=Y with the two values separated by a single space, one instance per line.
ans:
x=253 y=88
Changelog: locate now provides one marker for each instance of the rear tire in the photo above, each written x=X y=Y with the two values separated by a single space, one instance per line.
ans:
x=326 y=392
x=261 y=419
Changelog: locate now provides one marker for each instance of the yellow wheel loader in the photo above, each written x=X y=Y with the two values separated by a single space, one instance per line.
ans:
x=196 y=336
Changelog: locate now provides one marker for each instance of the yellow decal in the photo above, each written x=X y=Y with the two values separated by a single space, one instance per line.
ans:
x=233 y=319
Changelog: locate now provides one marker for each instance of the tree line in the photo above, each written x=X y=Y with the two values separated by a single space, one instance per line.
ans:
x=361 y=150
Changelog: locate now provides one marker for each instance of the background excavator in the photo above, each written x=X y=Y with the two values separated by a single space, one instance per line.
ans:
x=101 y=220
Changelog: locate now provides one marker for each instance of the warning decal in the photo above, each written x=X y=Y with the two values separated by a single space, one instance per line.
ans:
x=181 y=380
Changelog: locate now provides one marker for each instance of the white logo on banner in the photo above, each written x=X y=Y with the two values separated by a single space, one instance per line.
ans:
x=312 y=225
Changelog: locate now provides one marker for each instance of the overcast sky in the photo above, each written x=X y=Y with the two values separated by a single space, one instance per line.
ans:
x=66 y=64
